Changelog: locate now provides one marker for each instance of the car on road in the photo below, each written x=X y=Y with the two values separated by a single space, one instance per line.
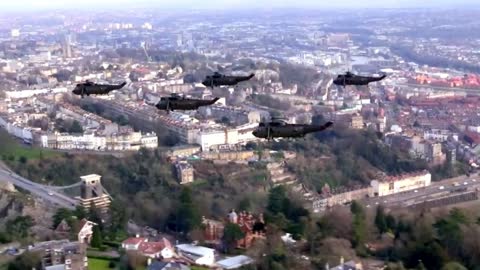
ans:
x=50 y=193
x=441 y=187
x=474 y=180
x=465 y=183
x=415 y=191
x=456 y=184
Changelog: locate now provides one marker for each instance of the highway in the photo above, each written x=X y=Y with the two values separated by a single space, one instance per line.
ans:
x=435 y=190
x=442 y=88
x=44 y=192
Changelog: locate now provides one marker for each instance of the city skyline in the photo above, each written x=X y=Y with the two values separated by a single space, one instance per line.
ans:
x=31 y=5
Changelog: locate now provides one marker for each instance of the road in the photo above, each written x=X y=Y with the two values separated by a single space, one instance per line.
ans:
x=441 y=88
x=435 y=190
x=44 y=192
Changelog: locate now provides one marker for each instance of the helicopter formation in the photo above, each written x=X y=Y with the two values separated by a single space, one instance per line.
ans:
x=276 y=128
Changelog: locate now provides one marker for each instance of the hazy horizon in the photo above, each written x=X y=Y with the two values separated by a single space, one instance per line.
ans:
x=31 y=5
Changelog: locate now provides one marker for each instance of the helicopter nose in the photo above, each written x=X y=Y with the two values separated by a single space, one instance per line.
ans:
x=205 y=83
x=255 y=133
x=76 y=91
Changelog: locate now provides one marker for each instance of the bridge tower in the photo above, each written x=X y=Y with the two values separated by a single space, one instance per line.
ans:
x=92 y=191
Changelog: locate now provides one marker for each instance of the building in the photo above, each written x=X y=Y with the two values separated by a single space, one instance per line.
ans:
x=235 y=262
x=439 y=135
x=396 y=184
x=197 y=254
x=155 y=250
x=62 y=254
x=92 y=192
x=184 y=172
x=350 y=265
x=330 y=198
x=252 y=227
x=83 y=230
x=451 y=153
x=133 y=243
x=357 y=121
x=131 y=141
x=14 y=33
x=213 y=230
x=184 y=151
x=229 y=155
x=167 y=266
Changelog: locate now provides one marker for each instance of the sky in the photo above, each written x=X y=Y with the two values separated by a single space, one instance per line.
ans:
x=17 y=5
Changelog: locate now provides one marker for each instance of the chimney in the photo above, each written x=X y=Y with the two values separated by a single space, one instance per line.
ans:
x=137 y=235
x=149 y=261
x=342 y=261
x=327 y=267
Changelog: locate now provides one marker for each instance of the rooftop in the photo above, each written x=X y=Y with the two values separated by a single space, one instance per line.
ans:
x=235 y=262
x=195 y=250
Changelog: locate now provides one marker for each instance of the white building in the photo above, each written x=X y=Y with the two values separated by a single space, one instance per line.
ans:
x=439 y=135
x=86 y=231
x=396 y=184
x=15 y=33
x=34 y=92
x=196 y=254
x=160 y=249
x=89 y=141
x=133 y=243
x=235 y=262
x=228 y=136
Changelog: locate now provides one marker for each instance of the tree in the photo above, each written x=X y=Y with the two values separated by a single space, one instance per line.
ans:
x=231 y=234
x=454 y=266
x=187 y=217
x=431 y=256
x=28 y=260
x=135 y=260
x=395 y=266
x=122 y=120
x=420 y=266
x=61 y=214
x=118 y=220
x=391 y=223
x=96 y=238
x=380 y=220
x=22 y=159
x=359 y=225
x=244 y=204
x=75 y=127
x=94 y=215
x=19 y=227
x=80 y=212
x=277 y=199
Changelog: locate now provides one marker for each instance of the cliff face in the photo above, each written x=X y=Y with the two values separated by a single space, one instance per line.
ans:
x=11 y=205
x=7 y=186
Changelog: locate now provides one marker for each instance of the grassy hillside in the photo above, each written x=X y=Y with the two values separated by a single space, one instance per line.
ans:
x=12 y=149
x=145 y=180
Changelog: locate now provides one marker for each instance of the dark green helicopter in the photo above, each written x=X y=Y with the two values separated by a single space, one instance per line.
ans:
x=278 y=128
x=89 y=88
x=176 y=102
x=218 y=79
x=352 y=79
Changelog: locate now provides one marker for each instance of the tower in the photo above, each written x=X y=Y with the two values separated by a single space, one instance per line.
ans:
x=67 y=46
x=92 y=192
